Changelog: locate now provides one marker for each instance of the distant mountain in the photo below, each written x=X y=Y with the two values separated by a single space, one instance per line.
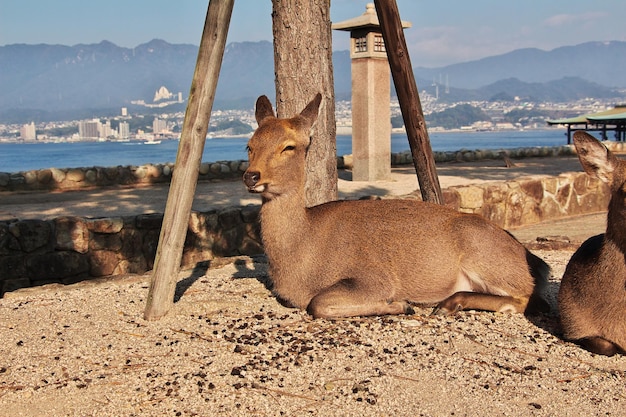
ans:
x=56 y=77
x=47 y=82
x=566 y=89
x=599 y=62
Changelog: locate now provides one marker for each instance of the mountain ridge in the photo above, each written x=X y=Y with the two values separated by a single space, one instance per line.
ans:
x=48 y=79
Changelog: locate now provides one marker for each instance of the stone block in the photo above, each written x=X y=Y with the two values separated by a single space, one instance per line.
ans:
x=100 y=241
x=12 y=266
x=31 y=234
x=8 y=242
x=10 y=285
x=102 y=262
x=5 y=179
x=250 y=213
x=71 y=234
x=229 y=218
x=58 y=175
x=533 y=188
x=204 y=168
x=91 y=176
x=75 y=174
x=149 y=221
x=44 y=176
x=471 y=197
x=57 y=265
x=30 y=178
x=105 y=225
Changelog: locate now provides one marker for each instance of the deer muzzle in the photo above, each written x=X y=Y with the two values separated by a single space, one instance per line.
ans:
x=251 y=180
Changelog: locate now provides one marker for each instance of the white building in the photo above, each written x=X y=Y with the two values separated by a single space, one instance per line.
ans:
x=89 y=129
x=105 y=129
x=28 y=132
x=124 y=130
x=159 y=126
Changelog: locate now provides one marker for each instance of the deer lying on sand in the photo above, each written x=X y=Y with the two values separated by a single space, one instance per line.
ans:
x=376 y=257
x=592 y=297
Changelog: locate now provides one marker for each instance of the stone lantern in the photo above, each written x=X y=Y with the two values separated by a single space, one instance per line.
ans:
x=371 y=113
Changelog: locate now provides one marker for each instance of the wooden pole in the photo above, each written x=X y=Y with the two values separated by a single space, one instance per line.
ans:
x=408 y=97
x=185 y=176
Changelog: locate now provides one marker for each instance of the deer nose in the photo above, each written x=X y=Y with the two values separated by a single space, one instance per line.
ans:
x=251 y=178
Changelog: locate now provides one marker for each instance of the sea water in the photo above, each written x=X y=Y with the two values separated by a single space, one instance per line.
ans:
x=16 y=157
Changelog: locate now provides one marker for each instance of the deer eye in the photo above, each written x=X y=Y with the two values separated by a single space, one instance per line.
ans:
x=288 y=148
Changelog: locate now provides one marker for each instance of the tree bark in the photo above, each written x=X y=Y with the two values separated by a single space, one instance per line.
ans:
x=303 y=67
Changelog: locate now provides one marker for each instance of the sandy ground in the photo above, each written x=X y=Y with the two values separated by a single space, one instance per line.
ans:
x=228 y=347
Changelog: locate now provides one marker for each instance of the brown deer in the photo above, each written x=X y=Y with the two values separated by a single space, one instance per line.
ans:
x=376 y=257
x=592 y=297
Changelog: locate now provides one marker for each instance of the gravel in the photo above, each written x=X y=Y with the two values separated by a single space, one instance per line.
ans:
x=228 y=347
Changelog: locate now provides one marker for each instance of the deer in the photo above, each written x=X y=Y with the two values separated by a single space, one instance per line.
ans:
x=371 y=257
x=592 y=295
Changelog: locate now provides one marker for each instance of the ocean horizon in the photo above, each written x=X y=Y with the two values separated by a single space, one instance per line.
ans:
x=17 y=157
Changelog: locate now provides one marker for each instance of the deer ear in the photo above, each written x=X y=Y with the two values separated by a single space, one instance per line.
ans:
x=263 y=109
x=594 y=157
x=311 y=110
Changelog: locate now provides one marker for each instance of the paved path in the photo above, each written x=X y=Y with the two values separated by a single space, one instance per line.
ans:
x=121 y=201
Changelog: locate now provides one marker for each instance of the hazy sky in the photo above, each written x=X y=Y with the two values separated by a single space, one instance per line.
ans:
x=444 y=31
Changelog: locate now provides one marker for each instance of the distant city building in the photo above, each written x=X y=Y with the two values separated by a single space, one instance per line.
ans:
x=28 y=132
x=89 y=129
x=159 y=126
x=124 y=111
x=124 y=130
x=105 y=129
x=162 y=94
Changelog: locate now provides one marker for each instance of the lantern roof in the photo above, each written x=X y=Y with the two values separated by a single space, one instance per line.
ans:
x=368 y=20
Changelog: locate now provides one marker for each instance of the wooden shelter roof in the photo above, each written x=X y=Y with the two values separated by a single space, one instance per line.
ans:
x=618 y=113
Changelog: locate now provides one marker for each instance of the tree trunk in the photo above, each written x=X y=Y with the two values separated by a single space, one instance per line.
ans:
x=303 y=66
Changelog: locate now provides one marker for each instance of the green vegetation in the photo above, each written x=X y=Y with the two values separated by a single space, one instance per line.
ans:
x=234 y=127
x=457 y=116
x=452 y=118
x=60 y=131
x=526 y=115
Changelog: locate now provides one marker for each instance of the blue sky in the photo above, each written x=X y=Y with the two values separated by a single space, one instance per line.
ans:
x=444 y=31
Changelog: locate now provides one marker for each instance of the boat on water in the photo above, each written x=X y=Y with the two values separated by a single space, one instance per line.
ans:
x=152 y=142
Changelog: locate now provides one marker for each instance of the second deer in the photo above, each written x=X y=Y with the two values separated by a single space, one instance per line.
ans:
x=376 y=257
x=592 y=297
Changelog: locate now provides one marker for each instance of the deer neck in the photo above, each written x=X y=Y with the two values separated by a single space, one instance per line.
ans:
x=284 y=223
x=616 y=224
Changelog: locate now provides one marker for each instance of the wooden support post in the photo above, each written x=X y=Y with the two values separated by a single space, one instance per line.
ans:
x=185 y=176
x=408 y=97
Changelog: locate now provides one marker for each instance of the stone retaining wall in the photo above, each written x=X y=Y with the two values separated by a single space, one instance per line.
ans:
x=92 y=177
x=71 y=249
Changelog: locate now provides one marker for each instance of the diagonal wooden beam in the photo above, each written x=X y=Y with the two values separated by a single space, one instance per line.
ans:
x=185 y=176
x=408 y=97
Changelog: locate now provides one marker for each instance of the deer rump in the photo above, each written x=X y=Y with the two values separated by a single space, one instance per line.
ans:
x=404 y=251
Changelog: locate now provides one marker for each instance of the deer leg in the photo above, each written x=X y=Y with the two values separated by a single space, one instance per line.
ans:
x=348 y=299
x=466 y=300
x=599 y=345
